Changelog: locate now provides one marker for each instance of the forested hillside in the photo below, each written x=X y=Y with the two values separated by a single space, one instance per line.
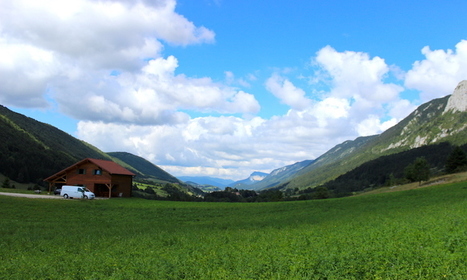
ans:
x=391 y=169
x=144 y=167
x=31 y=151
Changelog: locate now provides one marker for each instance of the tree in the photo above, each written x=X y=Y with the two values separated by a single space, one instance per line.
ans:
x=6 y=183
x=149 y=190
x=321 y=193
x=418 y=171
x=456 y=161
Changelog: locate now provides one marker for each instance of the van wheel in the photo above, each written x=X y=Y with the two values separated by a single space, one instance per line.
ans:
x=85 y=197
x=65 y=196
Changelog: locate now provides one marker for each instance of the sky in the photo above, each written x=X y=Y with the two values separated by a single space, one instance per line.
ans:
x=224 y=88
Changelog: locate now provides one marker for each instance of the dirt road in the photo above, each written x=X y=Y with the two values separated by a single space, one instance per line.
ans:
x=32 y=195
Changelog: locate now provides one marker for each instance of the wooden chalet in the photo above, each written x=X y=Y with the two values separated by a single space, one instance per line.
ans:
x=104 y=178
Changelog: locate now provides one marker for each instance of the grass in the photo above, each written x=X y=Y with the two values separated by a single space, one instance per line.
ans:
x=22 y=191
x=20 y=186
x=415 y=234
x=444 y=179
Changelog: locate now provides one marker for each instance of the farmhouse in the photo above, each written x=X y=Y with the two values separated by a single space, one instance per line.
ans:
x=104 y=178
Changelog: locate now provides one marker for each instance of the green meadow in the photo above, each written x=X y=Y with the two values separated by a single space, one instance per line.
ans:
x=415 y=234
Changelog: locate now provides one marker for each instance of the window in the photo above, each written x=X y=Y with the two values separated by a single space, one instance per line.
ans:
x=81 y=171
x=97 y=172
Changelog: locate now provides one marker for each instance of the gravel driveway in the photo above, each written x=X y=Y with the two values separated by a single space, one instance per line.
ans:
x=32 y=195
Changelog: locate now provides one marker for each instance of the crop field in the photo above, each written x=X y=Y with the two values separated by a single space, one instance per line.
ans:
x=415 y=234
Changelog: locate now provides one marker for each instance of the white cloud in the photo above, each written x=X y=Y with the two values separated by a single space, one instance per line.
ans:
x=439 y=73
x=287 y=92
x=228 y=146
x=373 y=123
x=356 y=75
x=47 y=44
x=358 y=80
x=155 y=95
x=70 y=50
x=24 y=71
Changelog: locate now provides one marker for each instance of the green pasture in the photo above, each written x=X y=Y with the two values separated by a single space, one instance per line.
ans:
x=415 y=234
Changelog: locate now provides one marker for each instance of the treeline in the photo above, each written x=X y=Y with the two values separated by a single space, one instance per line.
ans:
x=415 y=165
x=175 y=192
x=235 y=195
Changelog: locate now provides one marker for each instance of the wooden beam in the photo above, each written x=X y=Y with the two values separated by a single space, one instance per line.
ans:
x=109 y=186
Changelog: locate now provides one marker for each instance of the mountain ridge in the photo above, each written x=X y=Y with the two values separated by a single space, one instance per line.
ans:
x=252 y=179
x=146 y=169
x=207 y=180
x=429 y=124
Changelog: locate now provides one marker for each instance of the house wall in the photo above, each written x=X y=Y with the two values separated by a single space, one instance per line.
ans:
x=121 y=183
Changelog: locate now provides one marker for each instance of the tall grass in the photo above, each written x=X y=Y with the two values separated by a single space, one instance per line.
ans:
x=416 y=234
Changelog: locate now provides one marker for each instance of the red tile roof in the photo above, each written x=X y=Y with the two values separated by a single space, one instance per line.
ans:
x=111 y=167
x=107 y=165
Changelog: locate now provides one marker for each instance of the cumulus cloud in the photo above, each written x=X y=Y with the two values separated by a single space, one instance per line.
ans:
x=24 y=72
x=72 y=50
x=356 y=75
x=43 y=43
x=355 y=104
x=359 y=80
x=225 y=146
x=155 y=95
x=439 y=73
x=287 y=92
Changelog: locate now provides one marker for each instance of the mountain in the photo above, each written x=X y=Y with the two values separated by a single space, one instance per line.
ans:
x=146 y=169
x=204 y=188
x=206 y=180
x=280 y=175
x=440 y=120
x=31 y=151
x=253 y=178
x=390 y=170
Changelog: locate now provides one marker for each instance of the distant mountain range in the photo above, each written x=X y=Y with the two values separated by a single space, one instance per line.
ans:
x=245 y=184
x=206 y=180
x=277 y=176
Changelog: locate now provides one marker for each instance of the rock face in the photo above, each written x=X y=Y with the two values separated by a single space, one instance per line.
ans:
x=458 y=99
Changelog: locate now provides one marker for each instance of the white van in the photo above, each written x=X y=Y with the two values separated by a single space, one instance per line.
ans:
x=76 y=192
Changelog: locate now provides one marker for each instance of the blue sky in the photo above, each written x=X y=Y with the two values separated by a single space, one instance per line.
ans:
x=224 y=88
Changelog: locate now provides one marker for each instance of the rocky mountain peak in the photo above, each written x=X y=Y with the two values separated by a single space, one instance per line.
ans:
x=458 y=99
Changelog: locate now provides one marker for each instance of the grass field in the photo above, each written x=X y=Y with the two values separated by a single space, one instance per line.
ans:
x=414 y=234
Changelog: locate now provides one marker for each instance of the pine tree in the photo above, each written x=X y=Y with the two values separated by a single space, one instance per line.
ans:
x=457 y=161
x=418 y=171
